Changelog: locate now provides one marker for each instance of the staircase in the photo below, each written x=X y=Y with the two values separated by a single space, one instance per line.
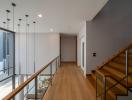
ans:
x=114 y=77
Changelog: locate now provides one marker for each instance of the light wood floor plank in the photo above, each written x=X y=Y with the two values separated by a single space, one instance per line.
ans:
x=69 y=84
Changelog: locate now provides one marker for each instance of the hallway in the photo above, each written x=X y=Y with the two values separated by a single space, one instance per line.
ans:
x=69 y=84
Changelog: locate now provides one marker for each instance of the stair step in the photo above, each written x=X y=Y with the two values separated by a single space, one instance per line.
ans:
x=123 y=61
x=123 y=55
x=110 y=82
x=110 y=95
x=118 y=75
x=120 y=67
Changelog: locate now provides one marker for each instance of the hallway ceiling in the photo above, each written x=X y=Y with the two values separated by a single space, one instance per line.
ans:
x=65 y=16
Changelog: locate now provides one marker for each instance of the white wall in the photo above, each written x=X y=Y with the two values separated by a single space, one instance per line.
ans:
x=81 y=38
x=68 y=48
x=47 y=48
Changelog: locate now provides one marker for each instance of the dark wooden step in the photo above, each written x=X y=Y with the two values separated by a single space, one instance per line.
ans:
x=118 y=75
x=123 y=55
x=110 y=82
x=110 y=95
x=123 y=61
x=120 y=67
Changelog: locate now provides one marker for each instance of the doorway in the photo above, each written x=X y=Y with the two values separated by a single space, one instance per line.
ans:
x=68 y=48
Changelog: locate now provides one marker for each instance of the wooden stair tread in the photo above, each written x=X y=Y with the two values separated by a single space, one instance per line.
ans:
x=113 y=71
x=118 y=89
x=110 y=94
x=118 y=75
x=124 y=55
x=122 y=61
x=103 y=72
x=120 y=67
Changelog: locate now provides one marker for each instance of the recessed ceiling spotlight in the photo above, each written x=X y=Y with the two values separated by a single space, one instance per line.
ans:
x=51 y=30
x=40 y=15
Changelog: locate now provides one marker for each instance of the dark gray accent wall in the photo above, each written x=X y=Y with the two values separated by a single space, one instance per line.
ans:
x=109 y=31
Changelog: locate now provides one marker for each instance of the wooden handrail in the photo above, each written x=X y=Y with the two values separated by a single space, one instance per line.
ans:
x=18 y=89
x=114 y=56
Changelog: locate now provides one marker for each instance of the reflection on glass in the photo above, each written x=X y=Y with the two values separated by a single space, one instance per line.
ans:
x=6 y=54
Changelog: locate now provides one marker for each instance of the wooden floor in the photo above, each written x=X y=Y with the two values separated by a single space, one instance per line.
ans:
x=69 y=84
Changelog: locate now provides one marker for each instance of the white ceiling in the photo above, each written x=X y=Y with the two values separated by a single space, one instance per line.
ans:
x=63 y=16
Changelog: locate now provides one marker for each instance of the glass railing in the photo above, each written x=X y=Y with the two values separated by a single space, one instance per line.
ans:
x=34 y=86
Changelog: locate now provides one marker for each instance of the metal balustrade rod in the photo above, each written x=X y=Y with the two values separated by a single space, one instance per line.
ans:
x=51 y=73
x=126 y=55
x=104 y=91
x=36 y=88
x=96 y=88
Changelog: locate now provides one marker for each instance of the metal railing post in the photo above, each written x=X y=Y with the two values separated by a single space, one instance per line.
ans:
x=36 y=88
x=96 y=88
x=104 y=91
x=51 y=73
x=126 y=61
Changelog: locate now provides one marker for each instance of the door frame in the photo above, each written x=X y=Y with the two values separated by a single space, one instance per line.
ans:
x=60 y=50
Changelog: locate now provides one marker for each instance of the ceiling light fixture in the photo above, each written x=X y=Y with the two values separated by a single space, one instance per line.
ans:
x=40 y=15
